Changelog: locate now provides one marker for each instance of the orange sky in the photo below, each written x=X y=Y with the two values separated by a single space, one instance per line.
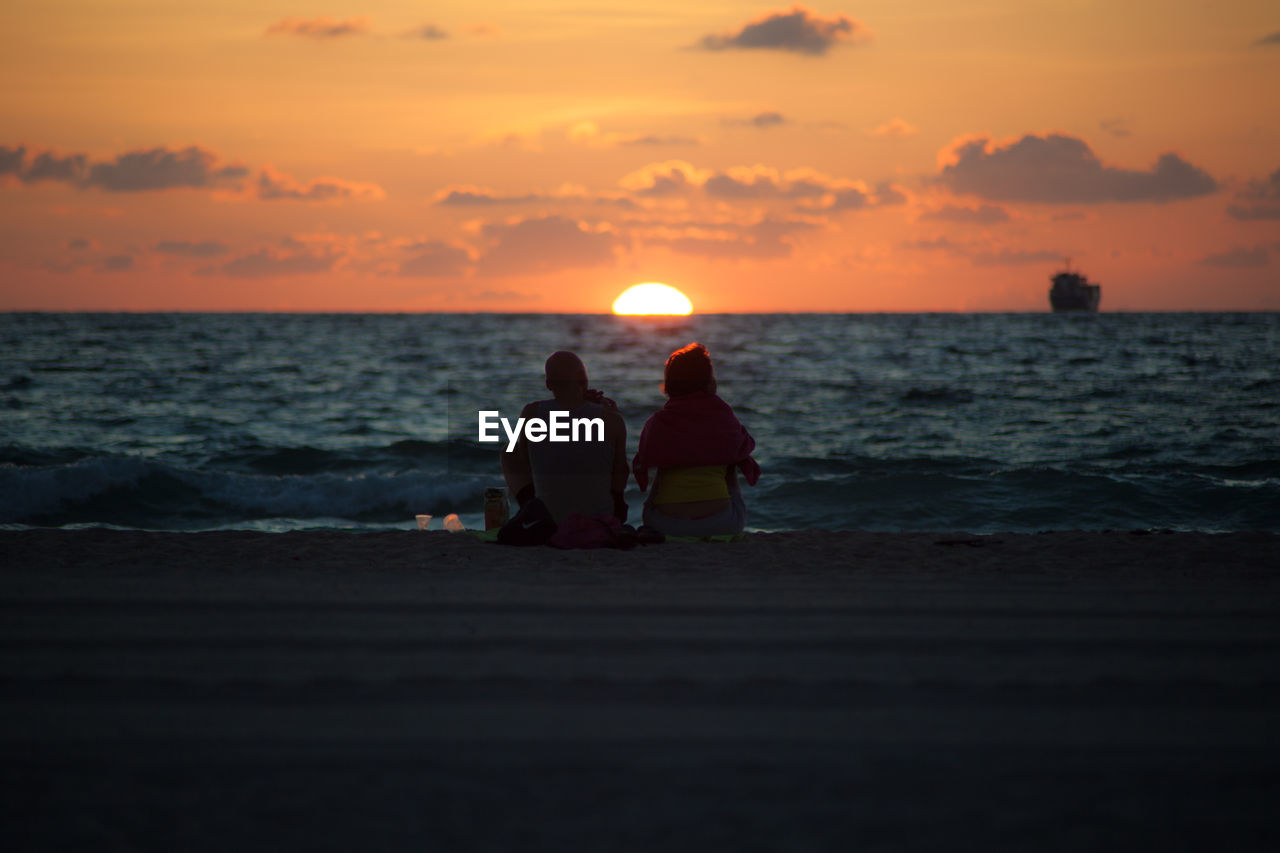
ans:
x=543 y=156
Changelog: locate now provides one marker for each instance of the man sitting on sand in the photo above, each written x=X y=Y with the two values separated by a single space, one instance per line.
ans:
x=552 y=479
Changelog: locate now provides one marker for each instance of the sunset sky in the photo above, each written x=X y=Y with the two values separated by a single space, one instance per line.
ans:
x=883 y=155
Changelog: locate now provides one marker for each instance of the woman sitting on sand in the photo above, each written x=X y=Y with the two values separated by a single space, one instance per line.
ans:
x=698 y=447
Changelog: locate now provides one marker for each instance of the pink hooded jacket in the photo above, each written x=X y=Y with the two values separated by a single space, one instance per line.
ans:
x=694 y=430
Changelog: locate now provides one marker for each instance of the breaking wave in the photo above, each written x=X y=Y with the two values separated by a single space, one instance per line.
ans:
x=133 y=492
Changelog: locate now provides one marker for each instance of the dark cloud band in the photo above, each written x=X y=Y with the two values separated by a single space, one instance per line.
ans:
x=1059 y=169
x=797 y=30
x=986 y=214
x=134 y=171
x=319 y=28
x=1259 y=201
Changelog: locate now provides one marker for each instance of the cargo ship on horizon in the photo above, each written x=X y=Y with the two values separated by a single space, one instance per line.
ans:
x=1071 y=291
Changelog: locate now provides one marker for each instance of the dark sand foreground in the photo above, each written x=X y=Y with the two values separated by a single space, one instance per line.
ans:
x=806 y=691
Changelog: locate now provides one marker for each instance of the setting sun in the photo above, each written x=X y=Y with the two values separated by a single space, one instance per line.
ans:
x=652 y=298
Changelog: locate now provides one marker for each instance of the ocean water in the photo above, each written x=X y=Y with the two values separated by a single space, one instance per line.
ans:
x=940 y=422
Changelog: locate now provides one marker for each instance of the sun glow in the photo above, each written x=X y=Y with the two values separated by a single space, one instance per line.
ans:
x=652 y=298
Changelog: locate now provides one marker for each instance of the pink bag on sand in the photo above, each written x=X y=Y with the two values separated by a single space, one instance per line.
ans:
x=588 y=531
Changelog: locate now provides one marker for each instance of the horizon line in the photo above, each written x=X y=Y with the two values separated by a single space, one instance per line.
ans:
x=637 y=317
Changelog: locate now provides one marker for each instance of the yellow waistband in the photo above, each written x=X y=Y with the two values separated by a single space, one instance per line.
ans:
x=681 y=485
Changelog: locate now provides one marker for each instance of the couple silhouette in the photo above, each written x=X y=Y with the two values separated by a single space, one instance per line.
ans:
x=695 y=442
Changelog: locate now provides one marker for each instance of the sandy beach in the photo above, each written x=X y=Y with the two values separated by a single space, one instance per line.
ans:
x=794 y=691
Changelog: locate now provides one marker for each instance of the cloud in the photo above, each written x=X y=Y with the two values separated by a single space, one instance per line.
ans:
x=543 y=245
x=84 y=254
x=855 y=195
x=763 y=120
x=588 y=133
x=465 y=196
x=849 y=199
x=1267 y=40
x=895 y=127
x=984 y=256
x=814 y=191
x=190 y=249
x=1239 y=258
x=44 y=166
x=659 y=140
x=762 y=182
x=1253 y=212
x=1264 y=198
x=429 y=32
x=659 y=180
x=161 y=169
x=797 y=30
x=766 y=239
x=1059 y=169
x=274 y=186
x=268 y=263
x=475 y=197
x=11 y=159
x=133 y=171
x=987 y=214
x=321 y=28
x=435 y=259
x=117 y=263
x=888 y=195
x=932 y=245
x=79 y=261
x=1117 y=127
x=47 y=166
x=615 y=201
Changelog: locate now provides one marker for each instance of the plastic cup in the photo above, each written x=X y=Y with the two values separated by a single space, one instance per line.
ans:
x=424 y=522
x=452 y=523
